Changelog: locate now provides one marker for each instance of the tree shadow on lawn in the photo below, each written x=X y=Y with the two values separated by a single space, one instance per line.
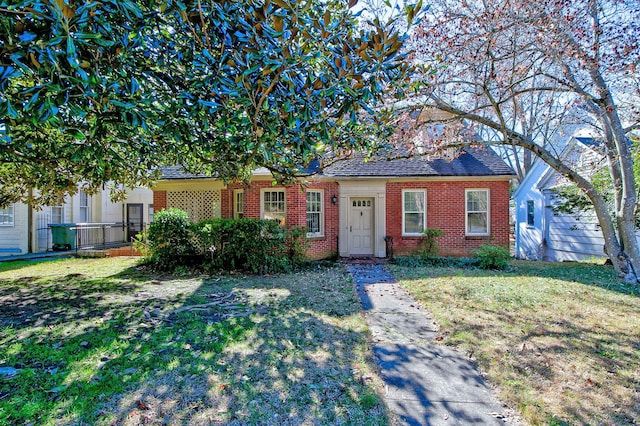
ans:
x=587 y=369
x=582 y=354
x=281 y=350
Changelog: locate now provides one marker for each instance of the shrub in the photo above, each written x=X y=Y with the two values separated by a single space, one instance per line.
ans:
x=492 y=257
x=170 y=240
x=297 y=246
x=437 y=262
x=254 y=245
x=429 y=248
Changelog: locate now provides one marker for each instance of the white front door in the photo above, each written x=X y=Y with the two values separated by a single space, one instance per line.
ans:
x=361 y=227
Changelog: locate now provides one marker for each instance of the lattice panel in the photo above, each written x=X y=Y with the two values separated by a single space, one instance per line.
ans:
x=199 y=205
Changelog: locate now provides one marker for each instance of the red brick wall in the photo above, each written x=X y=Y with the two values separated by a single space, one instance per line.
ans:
x=159 y=200
x=296 y=205
x=446 y=211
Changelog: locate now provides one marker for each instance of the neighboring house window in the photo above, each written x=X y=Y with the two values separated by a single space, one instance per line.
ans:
x=477 y=212
x=85 y=207
x=414 y=218
x=315 y=213
x=57 y=214
x=273 y=205
x=6 y=216
x=150 y=213
x=530 y=213
x=238 y=204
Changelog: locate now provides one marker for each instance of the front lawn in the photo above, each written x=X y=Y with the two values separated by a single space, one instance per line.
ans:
x=561 y=342
x=88 y=341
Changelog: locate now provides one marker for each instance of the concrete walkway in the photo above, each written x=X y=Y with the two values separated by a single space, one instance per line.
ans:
x=427 y=384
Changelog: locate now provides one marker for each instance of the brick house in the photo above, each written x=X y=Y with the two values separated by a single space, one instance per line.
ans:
x=351 y=206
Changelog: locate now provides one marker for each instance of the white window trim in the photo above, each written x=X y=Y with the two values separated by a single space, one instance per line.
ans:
x=321 y=232
x=466 y=212
x=13 y=216
x=237 y=192
x=150 y=213
x=424 y=224
x=87 y=207
x=62 y=212
x=277 y=189
x=526 y=213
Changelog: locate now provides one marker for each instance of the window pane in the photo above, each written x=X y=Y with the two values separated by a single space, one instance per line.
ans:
x=530 y=210
x=414 y=211
x=6 y=216
x=477 y=223
x=313 y=223
x=314 y=212
x=273 y=206
x=477 y=201
x=413 y=223
x=57 y=214
x=414 y=201
x=239 y=204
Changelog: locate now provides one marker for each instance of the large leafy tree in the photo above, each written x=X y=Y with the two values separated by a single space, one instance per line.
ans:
x=502 y=57
x=106 y=92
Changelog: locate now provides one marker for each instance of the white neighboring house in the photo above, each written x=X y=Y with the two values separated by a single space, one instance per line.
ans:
x=541 y=233
x=26 y=230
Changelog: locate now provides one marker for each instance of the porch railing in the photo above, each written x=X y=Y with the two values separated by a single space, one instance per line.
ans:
x=100 y=236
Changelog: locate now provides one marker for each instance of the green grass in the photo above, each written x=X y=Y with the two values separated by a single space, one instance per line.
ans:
x=102 y=341
x=561 y=342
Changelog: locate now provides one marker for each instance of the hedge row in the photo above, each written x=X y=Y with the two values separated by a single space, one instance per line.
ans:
x=252 y=245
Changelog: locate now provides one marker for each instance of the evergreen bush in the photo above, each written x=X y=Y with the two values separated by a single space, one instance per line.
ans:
x=170 y=240
x=492 y=257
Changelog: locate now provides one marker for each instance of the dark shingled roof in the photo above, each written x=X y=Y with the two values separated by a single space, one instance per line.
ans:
x=177 y=172
x=471 y=162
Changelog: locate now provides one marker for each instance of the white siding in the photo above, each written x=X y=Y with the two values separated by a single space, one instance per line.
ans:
x=571 y=237
x=16 y=236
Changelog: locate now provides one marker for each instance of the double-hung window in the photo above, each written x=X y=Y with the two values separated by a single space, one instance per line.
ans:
x=6 y=216
x=315 y=213
x=238 y=204
x=85 y=206
x=57 y=214
x=477 y=212
x=414 y=211
x=274 y=205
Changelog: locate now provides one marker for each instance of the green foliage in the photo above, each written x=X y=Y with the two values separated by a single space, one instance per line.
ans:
x=108 y=91
x=254 y=245
x=437 y=261
x=297 y=246
x=139 y=243
x=430 y=247
x=170 y=240
x=492 y=257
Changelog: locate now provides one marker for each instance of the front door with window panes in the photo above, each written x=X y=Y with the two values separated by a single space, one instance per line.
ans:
x=361 y=227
